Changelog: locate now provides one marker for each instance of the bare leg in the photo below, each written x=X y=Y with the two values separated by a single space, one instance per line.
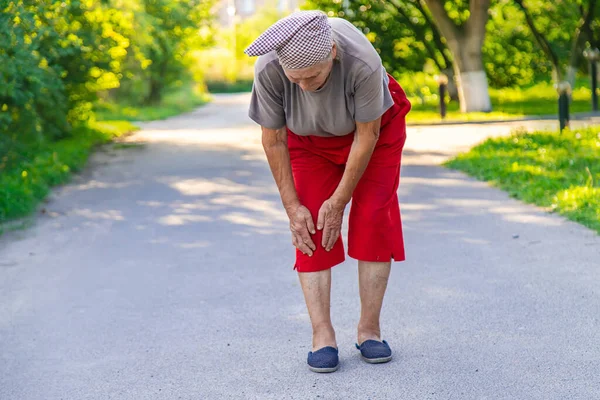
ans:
x=317 y=288
x=373 y=279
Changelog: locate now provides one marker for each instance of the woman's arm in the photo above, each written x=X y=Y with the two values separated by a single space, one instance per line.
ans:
x=365 y=139
x=332 y=210
x=274 y=142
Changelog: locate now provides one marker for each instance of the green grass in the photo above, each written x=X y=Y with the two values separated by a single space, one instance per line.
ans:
x=29 y=171
x=27 y=182
x=226 y=87
x=509 y=103
x=174 y=103
x=559 y=172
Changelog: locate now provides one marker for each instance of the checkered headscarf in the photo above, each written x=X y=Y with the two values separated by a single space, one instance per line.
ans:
x=300 y=39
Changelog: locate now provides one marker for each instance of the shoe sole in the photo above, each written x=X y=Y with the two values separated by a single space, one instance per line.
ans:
x=324 y=370
x=377 y=360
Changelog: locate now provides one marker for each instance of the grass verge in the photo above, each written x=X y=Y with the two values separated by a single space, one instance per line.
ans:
x=229 y=87
x=559 y=172
x=174 y=103
x=25 y=184
x=509 y=103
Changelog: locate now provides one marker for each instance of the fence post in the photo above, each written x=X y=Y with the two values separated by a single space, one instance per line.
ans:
x=593 y=55
x=442 y=81
x=564 y=90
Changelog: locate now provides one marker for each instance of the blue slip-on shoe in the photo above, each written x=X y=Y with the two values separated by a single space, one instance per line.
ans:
x=374 y=351
x=324 y=360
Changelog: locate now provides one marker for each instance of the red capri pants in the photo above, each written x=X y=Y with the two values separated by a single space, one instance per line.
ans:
x=375 y=227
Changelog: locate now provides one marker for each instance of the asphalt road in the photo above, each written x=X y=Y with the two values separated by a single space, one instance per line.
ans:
x=164 y=271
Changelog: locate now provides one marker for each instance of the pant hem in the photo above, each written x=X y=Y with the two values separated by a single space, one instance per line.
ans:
x=391 y=258
x=322 y=268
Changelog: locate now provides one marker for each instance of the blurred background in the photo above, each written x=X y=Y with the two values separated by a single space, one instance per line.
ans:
x=120 y=59
x=75 y=70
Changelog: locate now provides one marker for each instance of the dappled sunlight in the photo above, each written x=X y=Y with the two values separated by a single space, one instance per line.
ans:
x=528 y=218
x=505 y=209
x=244 y=219
x=444 y=182
x=194 y=245
x=272 y=231
x=205 y=187
x=180 y=207
x=182 y=219
x=514 y=213
x=95 y=184
x=467 y=203
x=417 y=207
x=113 y=215
x=151 y=203
x=534 y=171
x=248 y=138
x=477 y=241
x=269 y=209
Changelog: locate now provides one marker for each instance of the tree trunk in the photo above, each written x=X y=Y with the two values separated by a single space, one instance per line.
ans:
x=155 y=93
x=465 y=44
x=579 y=39
x=571 y=75
x=472 y=82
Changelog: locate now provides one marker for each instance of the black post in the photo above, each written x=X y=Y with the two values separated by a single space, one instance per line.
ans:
x=442 y=102
x=563 y=110
x=593 y=56
x=594 y=70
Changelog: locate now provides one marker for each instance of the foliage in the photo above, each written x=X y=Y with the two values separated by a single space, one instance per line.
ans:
x=25 y=184
x=175 y=101
x=54 y=58
x=561 y=29
x=224 y=66
x=401 y=31
x=508 y=103
x=59 y=57
x=510 y=57
x=557 y=171
x=171 y=25
x=407 y=40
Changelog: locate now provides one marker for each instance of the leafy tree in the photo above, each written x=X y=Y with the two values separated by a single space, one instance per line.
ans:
x=562 y=29
x=402 y=31
x=463 y=24
x=173 y=26
x=32 y=94
x=54 y=57
x=510 y=57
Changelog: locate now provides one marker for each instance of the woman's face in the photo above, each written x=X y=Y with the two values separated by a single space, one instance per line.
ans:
x=311 y=78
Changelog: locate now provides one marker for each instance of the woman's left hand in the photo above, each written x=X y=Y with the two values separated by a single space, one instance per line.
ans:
x=330 y=221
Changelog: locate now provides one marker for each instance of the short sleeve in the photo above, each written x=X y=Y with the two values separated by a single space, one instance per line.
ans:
x=369 y=97
x=266 y=102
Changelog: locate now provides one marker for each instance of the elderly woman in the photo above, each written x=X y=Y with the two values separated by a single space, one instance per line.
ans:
x=333 y=130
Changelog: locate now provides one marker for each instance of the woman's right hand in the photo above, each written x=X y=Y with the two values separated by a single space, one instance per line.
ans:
x=302 y=226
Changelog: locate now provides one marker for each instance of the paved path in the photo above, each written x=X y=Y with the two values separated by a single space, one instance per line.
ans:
x=165 y=272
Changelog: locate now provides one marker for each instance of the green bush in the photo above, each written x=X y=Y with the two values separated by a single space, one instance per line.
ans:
x=557 y=171
x=27 y=182
x=224 y=67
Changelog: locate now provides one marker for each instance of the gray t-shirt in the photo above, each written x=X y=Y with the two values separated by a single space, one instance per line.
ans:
x=356 y=91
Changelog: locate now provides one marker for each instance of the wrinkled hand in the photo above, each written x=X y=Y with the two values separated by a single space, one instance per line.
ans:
x=330 y=221
x=302 y=225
